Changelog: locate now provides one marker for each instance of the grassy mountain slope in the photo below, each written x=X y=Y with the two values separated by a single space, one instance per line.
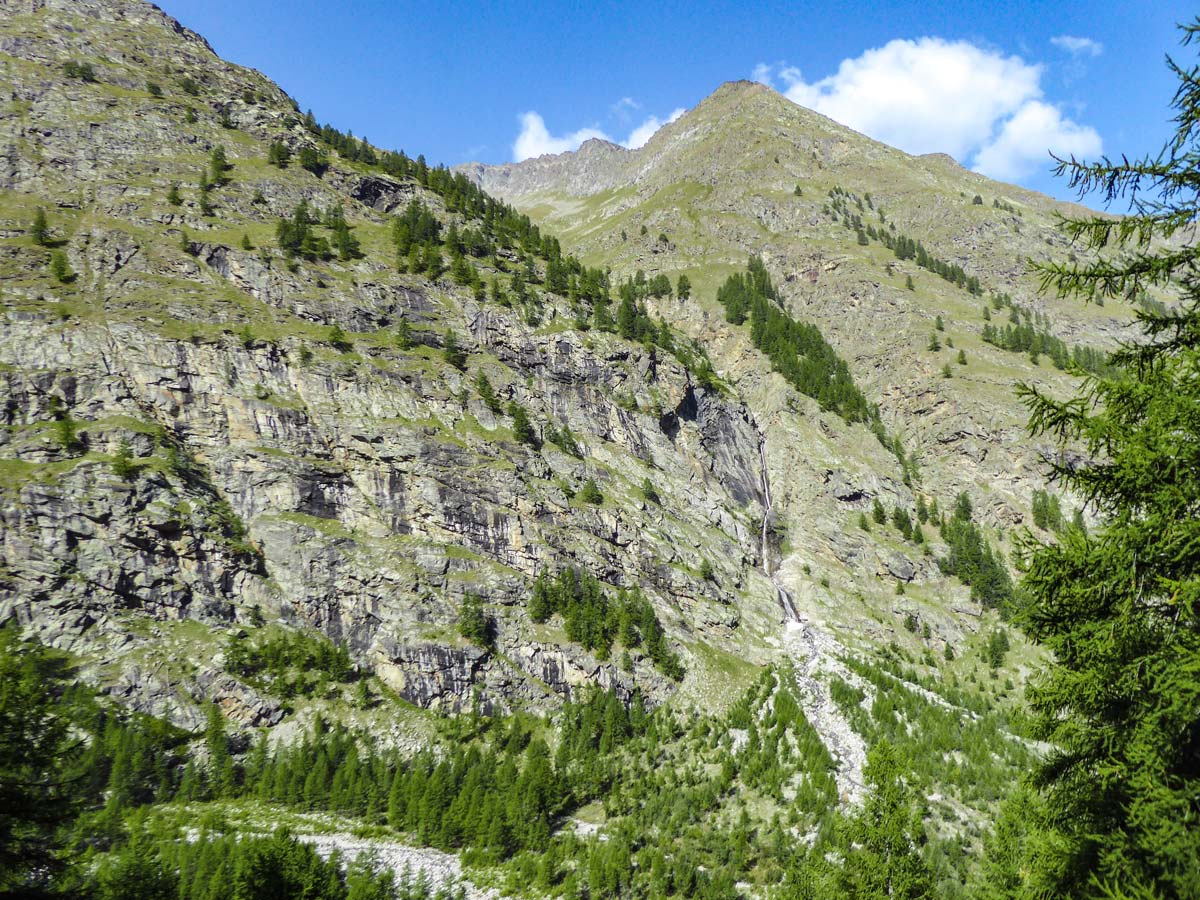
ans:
x=248 y=463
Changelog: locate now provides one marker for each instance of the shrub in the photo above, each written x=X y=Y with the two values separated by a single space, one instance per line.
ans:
x=590 y=493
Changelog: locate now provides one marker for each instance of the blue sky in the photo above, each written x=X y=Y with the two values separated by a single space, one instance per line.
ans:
x=993 y=84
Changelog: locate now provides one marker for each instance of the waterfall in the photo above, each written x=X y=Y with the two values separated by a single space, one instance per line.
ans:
x=781 y=593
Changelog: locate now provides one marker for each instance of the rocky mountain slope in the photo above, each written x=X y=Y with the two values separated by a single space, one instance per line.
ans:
x=266 y=385
x=748 y=173
x=341 y=483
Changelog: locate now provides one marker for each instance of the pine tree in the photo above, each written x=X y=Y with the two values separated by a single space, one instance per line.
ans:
x=36 y=758
x=40 y=229
x=221 y=776
x=218 y=165
x=522 y=429
x=60 y=268
x=486 y=392
x=1120 y=609
x=884 y=859
x=473 y=623
x=590 y=493
x=452 y=352
x=878 y=513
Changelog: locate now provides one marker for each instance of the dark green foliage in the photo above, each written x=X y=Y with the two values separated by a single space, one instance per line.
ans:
x=297 y=238
x=60 y=268
x=218 y=165
x=123 y=465
x=154 y=89
x=81 y=71
x=878 y=513
x=487 y=394
x=683 y=288
x=452 y=351
x=344 y=241
x=287 y=663
x=474 y=623
x=564 y=439
x=37 y=755
x=906 y=248
x=522 y=429
x=902 y=521
x=649 y=491
x=338 y=339
x=997 y=648
x=1029 y=332
x=884 y=861
x=797 y=350
x=173 y=195
x=243 y=867
x=706 y=570
x=594 y=620
x=634 y=321
x=404 y=338
x=972 y=559
x=40 y=229
x=1047 y=512
x=189 y=86
x=590 y=493
x=313 y=160
x=136 y=872
x=1119 y=610
x=278 y=154
x=417 y=225
x=66 y=432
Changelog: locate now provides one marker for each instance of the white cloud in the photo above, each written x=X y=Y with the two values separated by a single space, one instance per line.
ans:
x=1026 y=140
x=763 y=73
x=624 y=108
x=922 y=96
x=535 y=139
x=932 y=95
x=1077 y=46
x=638 y=137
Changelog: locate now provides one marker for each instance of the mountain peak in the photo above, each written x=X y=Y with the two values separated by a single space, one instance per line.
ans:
x=597 y=146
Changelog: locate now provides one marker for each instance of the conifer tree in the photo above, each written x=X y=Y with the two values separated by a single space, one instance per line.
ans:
x=522 y=429
x=60 y=268
x=40 y=230
x=883 y=859
x=37 y=792
x=486 y=392
x=1120 y=608
x=404 y=339
x=218 y=164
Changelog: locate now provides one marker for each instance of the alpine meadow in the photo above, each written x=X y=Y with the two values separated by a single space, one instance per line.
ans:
x=749 y=511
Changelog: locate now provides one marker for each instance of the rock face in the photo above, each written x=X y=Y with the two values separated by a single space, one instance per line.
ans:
x=749 y=173
x=203 y=434
x=187 y=439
